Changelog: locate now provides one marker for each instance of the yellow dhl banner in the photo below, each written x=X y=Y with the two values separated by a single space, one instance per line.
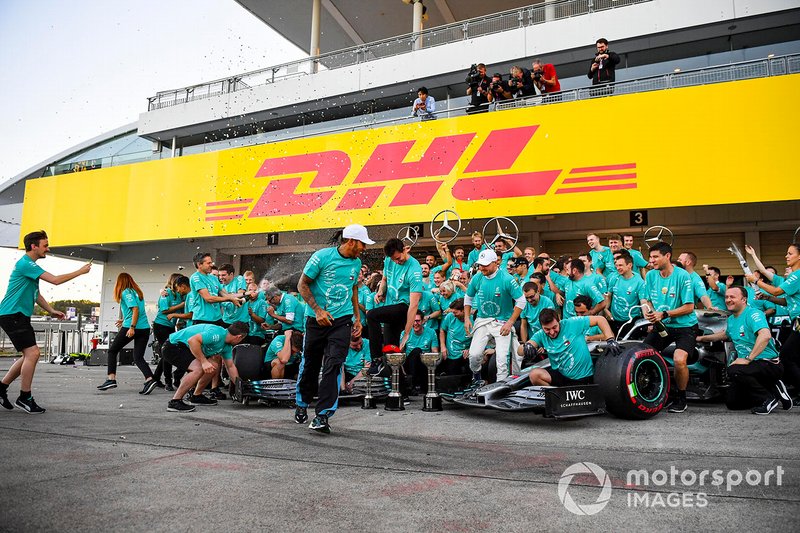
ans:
x=717 y=144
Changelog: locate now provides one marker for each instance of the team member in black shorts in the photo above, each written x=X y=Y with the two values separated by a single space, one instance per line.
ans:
x=15 y=316
x=328 y=285
x=198 y=350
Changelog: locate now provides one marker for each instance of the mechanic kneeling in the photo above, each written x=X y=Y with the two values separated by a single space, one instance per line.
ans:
x=565 y=344
x=755 y=374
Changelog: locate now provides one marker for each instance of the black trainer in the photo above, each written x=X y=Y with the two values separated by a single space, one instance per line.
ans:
x=169 y=387
x=766 y=408
x=217 y=394
x=158 y=383
x=148 y=387
x=678 y=405
x=108 y=384
x=320 y=424
x=29 y=406
x=300 y=415
x=179 y=406
x=4 y=401
x=783 y=395
x=202 y=400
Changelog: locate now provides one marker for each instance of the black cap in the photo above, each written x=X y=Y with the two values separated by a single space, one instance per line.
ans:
x=520 y=261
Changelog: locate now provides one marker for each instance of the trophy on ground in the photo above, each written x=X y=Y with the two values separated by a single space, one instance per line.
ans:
x=395 y=359
x=368 y=402
x=432 y=400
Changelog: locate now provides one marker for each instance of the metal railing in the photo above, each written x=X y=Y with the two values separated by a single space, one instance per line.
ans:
x=760 y=68
x=55 y=338
x=459 y=31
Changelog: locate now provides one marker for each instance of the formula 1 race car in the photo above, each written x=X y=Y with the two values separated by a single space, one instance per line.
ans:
x=255 y=383
x=633 y=385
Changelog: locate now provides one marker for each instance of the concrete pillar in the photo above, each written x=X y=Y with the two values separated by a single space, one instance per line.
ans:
x=753 y=238
x=174 y=146
x=549 y=10
x=417 y=24
x=314 y=48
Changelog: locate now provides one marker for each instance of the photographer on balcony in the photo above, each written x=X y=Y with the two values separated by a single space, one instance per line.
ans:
x=478 y=89
x=521 y=83
x=498 y=89
x=545 y=79
x=601 y=70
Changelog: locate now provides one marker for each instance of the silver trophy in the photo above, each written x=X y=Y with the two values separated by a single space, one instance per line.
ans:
x=442 y=230
x=432 y=400
x=394 y=402
x=368 y=401
x=502 y=228
x=745 y=267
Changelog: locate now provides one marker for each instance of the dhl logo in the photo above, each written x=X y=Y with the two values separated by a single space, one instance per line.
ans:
x=485 y=177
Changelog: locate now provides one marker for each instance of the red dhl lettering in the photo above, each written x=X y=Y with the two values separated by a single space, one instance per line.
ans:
x=499 y=152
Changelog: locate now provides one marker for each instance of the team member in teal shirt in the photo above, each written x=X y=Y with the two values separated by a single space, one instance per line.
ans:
x=208 y=293
x=755 y=374
x=536 y=302
x=357 y=360
x=420 y=340
x=564 y=342
x=328 y=285
x=788 y=294
x=171 y=301
x=237 y=285
x=200 y=350
x=575 y=285
x=477 y=247
x=639 y=262
x=454 y=341
x=689 y=261
x=15 y=317
x=282 y=353
x=133 y=327
x=429 y=307
x=716 y=289
x=286 y=309
x=670 y=300
x=401 y=289
x=625 y=293
x=601 y=256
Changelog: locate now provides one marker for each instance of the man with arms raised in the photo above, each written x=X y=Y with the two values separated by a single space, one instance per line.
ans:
x=329 y=286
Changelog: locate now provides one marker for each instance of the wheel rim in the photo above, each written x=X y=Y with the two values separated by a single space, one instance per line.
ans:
x=649 y=380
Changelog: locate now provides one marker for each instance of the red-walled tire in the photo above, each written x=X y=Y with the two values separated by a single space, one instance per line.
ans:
x=635 y=384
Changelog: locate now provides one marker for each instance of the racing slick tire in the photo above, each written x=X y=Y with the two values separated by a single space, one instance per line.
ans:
x=248 y=361
x=635 y=383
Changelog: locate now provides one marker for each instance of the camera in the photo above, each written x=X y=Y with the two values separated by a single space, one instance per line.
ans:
x=473 y=77
x=537 y=75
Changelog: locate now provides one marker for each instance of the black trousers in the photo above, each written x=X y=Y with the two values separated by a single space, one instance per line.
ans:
x=140 y=338
x=453 y=367
x=752 y=384
x=325 y=348
x=162 y=333
x=393 y=318
x=790 y=357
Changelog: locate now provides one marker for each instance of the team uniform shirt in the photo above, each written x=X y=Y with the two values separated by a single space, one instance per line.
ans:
x=586 y=286
x=188 y=306
x=594 y=330
x=212 y=336
x=291 y=309
x=334 y=277
x=780 y=310
x=354 y=363
x=625 y=294
x=364 y=295
x=602 y=259
x=717 y=297
x=424 y=341
x=531 y=314
x=128 y=300
x=522 y=280
x=259 y=308
x=23 y=288
x=402 y=280
x=698 y=286
x=444 y=303
x=463 y=265
x=670 y=293
x=231 y=313
x=495 y=297
x=203 y=310
x=276 y=346
x=474 y=253
x=506 y=256
x=171 y=299
x=743 y=330
x=639 y=262
x=429 y=303
x=455 y=335
x=429 y=285
x=568 y=352
x=791 y=287
x=371 y=302
x=761 y=305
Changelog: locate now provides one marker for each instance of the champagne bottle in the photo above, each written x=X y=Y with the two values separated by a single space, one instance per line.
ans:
x=659 y=326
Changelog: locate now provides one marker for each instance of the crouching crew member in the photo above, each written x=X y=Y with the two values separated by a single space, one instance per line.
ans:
x=755 y=373
x=198 y=350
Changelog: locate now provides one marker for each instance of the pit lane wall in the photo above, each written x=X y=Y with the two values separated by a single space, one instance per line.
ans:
x=726 y=143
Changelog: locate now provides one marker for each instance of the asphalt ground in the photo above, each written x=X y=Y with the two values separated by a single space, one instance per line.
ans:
x=119 y=461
